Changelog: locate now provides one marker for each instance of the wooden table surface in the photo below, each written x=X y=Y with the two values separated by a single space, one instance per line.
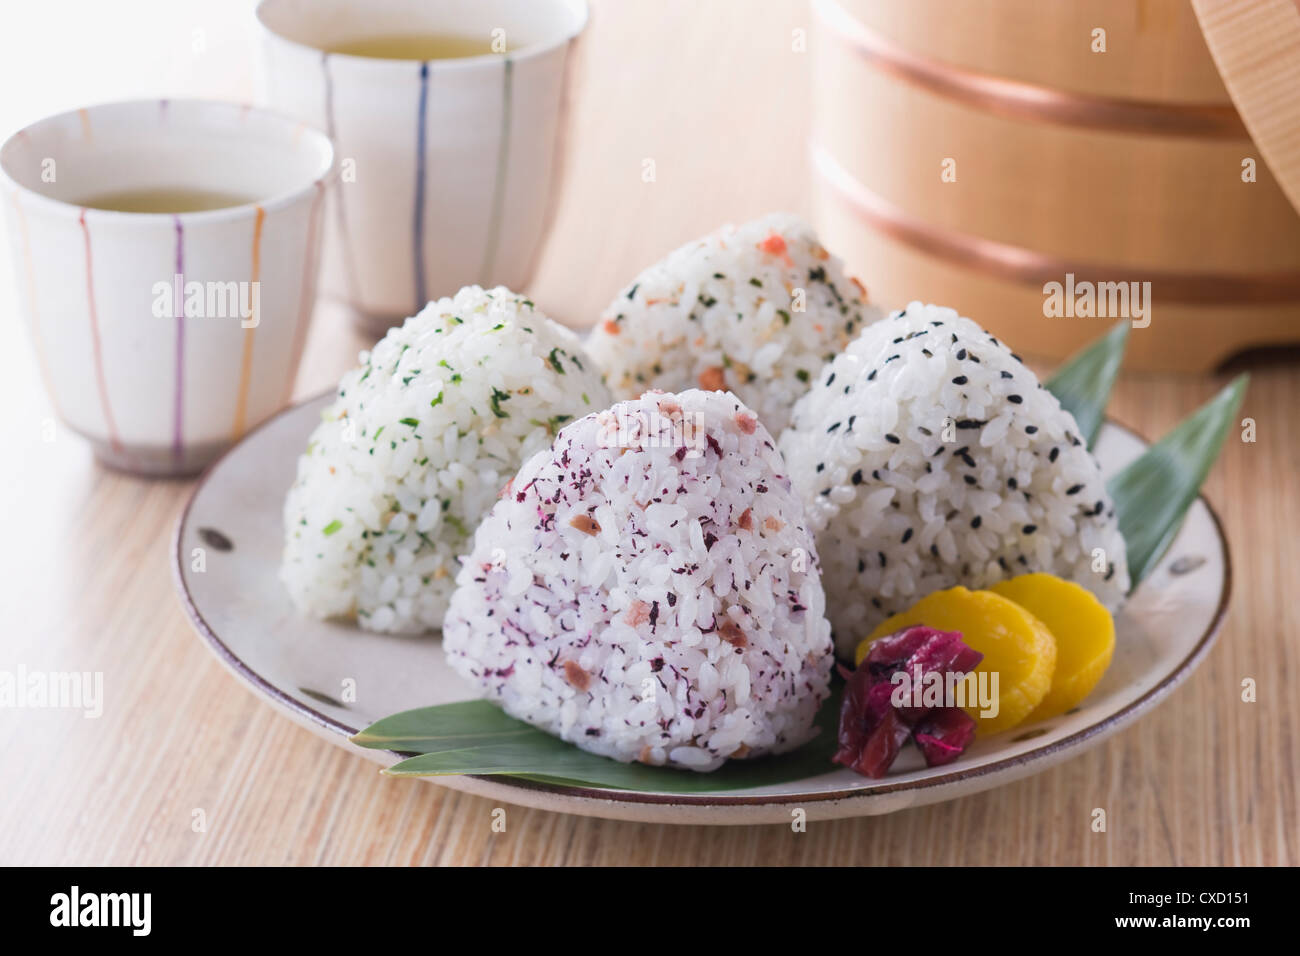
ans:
x=712 y=92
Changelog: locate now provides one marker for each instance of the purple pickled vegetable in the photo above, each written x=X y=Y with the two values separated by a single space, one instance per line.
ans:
x=943 y=734
x=873 y=730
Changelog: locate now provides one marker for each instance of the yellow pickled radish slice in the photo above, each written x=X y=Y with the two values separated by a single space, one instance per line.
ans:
x=1016 y=646
x=1084 y=632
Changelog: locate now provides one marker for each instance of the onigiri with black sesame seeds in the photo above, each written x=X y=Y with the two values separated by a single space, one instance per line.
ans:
x=647 y=589
x=756 y=309
x=413 y=451
x=927 y=456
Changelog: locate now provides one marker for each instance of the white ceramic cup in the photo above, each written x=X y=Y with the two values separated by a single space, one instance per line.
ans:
x=163 y=337
x=448 y=168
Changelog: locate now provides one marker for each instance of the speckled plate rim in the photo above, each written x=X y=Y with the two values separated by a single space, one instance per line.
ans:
x=712 y=809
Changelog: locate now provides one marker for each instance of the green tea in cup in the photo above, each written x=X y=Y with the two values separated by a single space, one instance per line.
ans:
x=423 y=46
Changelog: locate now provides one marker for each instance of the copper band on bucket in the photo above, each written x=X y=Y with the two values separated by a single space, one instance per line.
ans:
x=1028 y=266
x=1016 y=99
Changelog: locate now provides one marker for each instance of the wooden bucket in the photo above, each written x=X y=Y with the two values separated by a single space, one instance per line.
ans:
x=970 y=157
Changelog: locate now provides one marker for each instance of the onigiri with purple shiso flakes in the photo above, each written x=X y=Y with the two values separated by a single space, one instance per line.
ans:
x=647 y=589
x=415 y=447
x=928 y=455
x=756 y=309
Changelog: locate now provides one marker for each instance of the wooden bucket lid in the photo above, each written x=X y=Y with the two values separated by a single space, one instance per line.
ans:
x=1256 y=47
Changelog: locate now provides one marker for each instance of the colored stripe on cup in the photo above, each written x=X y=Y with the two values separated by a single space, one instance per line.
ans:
x=246 y=360
x=96 y=348
x=499 y=186
x=38 y=341
x=417 y=226
x=178 y=313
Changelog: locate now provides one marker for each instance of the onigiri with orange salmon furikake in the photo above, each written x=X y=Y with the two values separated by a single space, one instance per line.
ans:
x=755 y=309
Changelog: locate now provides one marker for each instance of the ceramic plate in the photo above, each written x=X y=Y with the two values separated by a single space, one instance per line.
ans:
x=336 y=679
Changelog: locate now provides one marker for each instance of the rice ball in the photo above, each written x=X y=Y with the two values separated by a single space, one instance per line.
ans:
x=928 y=455
x=415 y=448
x=647 y=589
x=756 y=309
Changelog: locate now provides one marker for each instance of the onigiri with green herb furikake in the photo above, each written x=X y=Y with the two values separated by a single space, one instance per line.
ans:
x=756 y=309
x=415 y=449
x=648 y=590
x=928 y=455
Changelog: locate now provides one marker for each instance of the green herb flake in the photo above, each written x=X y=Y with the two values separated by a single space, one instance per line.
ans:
x=333 y=526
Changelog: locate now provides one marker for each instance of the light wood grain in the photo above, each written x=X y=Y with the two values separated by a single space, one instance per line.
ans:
x=1257 y=49
x=86 y=583
x=1122 y=204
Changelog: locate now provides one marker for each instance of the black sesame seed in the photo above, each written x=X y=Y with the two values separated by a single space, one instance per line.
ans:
x=1015 y=399
x=970 y=479
x=1074 y=489
x=975 y=521
x=907 y=536
x=1029 y=528
x=1031 y=429
x=1054 y=454
x=892 y=439
x=1006 y=375
x=857 y=477
x=960 y=380
x=961 y=353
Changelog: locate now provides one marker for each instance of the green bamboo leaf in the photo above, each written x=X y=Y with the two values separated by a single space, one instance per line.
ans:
x=1083 y=384
x=446 y=727
x=476 y=737
x=1153 y=493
